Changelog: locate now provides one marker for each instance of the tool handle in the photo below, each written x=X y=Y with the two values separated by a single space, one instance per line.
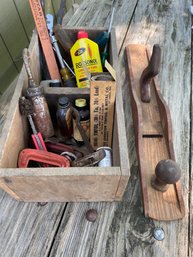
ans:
x=105 y=54
x=68 y=81
x=166 y=172
x=90 y=159
x=38 y=141
x=104 y=57
x=58 y=147
x=44 y=37
x=76 y=116
x=149 y=73
x=26 y=61
x=102 y=39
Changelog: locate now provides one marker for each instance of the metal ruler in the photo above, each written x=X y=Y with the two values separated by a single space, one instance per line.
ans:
x=41 y=26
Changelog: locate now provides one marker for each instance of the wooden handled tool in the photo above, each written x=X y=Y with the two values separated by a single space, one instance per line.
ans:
x=41 y=26
x=149 y=73
x=166 y=172
x=159 y=173
x=65 y=70
x=26 y=109
x=76 y=116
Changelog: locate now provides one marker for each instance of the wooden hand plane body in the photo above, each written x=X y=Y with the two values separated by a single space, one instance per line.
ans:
x=159 y=173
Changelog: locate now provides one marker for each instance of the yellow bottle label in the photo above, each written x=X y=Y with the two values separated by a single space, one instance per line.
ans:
x=85 y=53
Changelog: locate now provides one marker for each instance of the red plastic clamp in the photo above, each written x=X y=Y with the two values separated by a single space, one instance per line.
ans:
x=52 y=159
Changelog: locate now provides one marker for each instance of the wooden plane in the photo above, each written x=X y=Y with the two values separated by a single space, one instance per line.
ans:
x=159 y=172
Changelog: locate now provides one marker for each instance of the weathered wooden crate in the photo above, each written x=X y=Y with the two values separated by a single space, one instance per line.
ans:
x=62 y=184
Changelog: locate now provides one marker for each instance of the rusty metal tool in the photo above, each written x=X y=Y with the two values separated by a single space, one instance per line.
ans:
x=159 y=172
x=90 y=159
x=39 y=106
x=26 y=109
x=58 y=147
x=44 y=157
x=55 y=160
x=76 y=116
x=59 y=144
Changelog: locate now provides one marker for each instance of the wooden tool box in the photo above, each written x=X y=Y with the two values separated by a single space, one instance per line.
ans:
x=62 y=184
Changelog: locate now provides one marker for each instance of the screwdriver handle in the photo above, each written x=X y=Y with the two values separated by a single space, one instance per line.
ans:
x=104 y=57
x=68 y=81
x=38 y=141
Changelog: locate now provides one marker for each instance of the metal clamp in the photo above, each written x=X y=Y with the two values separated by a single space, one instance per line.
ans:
x=52 y=159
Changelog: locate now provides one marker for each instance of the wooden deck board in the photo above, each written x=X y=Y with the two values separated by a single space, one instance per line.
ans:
x=121 y=228
x=130 y=234
x=158 y=23
x=96 y=13
x=26 y=228
x=189 y=189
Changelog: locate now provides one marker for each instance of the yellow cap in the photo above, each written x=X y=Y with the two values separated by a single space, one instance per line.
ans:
x=80 y=102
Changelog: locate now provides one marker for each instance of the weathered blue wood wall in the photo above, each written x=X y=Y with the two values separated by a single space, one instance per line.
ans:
x=16 y=26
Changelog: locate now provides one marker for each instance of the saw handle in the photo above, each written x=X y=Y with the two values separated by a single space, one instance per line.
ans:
x=149 y=73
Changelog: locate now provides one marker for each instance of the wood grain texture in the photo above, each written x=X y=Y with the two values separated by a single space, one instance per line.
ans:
x=96 y=13
x=27 y=229
x=160 y=206
x=128 y=233
x=102 y=102
x=85 y=184
x=153 y=28
x=191 y=174
x=7 y=148
x=62 y=184
x=121 y=229
x=4 y=100
x=119 y=115
x=8 y=70
x=153 y=132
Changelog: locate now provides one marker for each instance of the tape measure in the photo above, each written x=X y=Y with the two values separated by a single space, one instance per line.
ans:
x=41 y=26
